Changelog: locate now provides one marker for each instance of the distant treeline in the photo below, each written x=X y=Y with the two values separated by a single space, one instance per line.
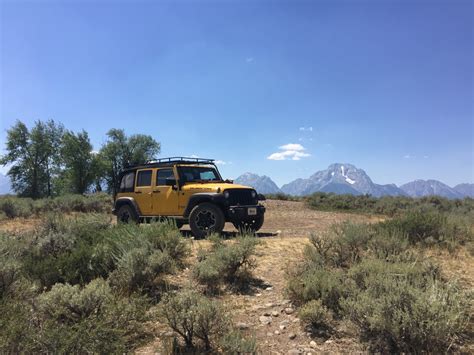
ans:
x=49 y=160
x=387 y=205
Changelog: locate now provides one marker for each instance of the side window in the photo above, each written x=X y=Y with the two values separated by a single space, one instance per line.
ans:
x=126 y=185
x=144 y=178
x=162 y=175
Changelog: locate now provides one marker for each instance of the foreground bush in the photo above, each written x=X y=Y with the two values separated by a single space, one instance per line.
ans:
x=369 y=275
x=78 y=250
x=63 y=250
x=192 y=315
x=70 y=319
x=406 y=310
x=141 y=256
x=81 y=285
x=202 y=324
x=227 y=263
x=316 y=315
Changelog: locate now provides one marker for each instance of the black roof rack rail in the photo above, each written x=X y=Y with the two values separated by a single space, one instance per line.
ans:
x=180 y=159
x=170 y=161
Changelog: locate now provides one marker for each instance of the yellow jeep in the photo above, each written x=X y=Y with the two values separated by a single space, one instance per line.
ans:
x=188 y=190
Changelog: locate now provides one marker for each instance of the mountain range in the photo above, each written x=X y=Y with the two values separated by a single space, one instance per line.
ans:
x=348 y=179
x=339 y=179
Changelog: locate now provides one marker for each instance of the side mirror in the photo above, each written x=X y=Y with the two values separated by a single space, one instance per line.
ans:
x=261 y=197
x=171 y=181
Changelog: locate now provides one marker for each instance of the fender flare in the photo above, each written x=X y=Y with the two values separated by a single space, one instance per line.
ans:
x=127 y=201
x=212 y=197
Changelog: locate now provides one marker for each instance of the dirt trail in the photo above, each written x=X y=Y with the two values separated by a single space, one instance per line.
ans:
x=264 y=312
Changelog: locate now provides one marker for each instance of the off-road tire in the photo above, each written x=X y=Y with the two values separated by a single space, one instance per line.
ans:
x=126 y=214
x=251 y=226
x=206 y=218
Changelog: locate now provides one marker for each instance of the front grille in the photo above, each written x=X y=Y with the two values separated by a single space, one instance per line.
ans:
x=241 y=197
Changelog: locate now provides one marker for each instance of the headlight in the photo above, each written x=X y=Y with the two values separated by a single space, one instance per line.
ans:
x=253 y=194
x=226 y=194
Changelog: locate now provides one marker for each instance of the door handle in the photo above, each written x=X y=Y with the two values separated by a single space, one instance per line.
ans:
x=157 y=191
x=138 y=192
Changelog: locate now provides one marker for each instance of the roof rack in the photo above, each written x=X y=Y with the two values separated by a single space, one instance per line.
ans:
x=171 y=161
x=180 y=159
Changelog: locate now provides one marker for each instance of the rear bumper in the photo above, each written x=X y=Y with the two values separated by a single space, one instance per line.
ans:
x=241 y=213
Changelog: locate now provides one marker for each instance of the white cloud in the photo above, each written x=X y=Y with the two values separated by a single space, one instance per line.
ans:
x=249 y=59
x=292 y=146
x=306 y=129
x=408 y=156
x=222 y=162
x=194 y=156
x=293 y=151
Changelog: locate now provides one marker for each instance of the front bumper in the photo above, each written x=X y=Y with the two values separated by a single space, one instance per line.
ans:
x=241 y=213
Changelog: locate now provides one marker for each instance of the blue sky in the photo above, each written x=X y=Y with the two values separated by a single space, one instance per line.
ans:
x=385 y=85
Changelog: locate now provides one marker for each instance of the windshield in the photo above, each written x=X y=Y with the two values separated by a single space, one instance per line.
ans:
x=198 y=174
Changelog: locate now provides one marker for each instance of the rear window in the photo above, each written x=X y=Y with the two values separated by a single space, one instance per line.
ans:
x=144 y=178
x=126 y=185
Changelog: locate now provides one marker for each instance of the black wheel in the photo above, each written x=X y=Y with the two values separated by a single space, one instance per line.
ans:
x=126 y=214
x=206 y=218
x=251 y=225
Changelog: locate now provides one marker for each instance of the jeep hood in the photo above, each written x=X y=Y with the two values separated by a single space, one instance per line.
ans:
x=213 y=186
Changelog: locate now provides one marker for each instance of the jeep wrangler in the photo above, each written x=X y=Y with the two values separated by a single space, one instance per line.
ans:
x=189 y=191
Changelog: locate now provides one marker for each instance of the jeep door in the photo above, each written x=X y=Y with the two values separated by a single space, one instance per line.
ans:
x=165 y=198
x=144 y=191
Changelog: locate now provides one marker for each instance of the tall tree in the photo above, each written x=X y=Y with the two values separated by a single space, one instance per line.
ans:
x=35 y=157
x=121 y=151
x=79 y=161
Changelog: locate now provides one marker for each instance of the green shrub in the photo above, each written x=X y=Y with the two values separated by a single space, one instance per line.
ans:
x=17 y=330
x=344 y=245
x=140 y=256
x=405 y=310
x=10 y=273
x=71 y=319
x=369 y=275
x=192 y=315
x=98 y=203
x=326 y=285
x=431 y=229
x=316 y=315
x=141 y=270
x=388 y=243
x=233 y=342
x=90 y=319
x=283 y=197
x=14 y=207
x=389 y=205
x=229 y=262
x=64 y=250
